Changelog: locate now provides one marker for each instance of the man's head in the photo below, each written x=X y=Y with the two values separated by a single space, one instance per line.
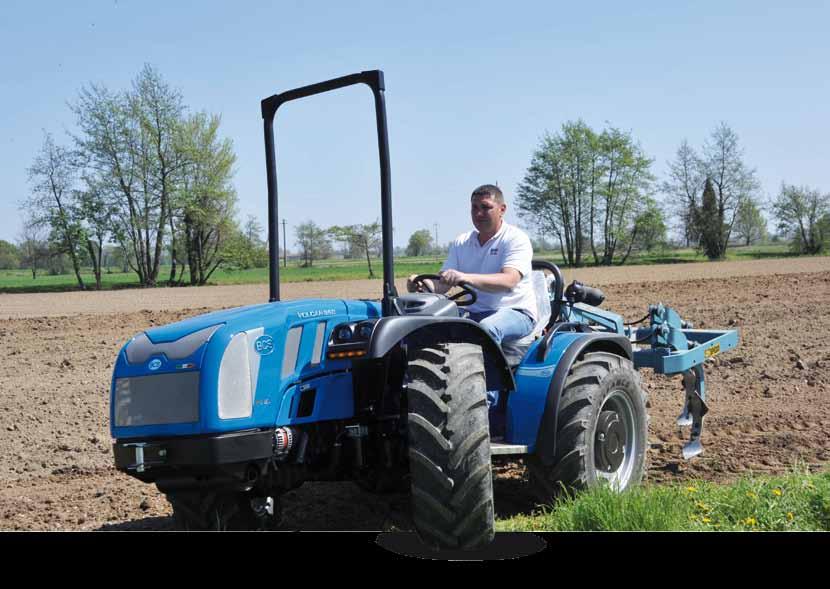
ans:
x=487 y=208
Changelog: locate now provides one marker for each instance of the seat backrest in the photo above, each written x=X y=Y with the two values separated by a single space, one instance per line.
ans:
x=515 y=350
x=542 y=292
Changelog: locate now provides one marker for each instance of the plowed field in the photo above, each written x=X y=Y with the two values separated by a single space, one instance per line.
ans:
x=769 y=401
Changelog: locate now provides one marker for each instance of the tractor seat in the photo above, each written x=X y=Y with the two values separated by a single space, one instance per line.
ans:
x=515 y=350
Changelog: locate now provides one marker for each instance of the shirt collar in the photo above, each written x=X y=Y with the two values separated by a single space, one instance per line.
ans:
x=497 y=234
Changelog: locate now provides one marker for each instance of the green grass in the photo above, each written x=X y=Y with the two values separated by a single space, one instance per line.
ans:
x=324 y=270
x=797 y=501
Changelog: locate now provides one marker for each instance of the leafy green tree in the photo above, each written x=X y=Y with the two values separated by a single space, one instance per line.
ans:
x=649 y=231
x=802 y=214
x=127 y=142
x=9 y=256
x=622 y=195
x=750 y=225
x=313 y=242
x=586 y=189
x=362 y=238
x=420 y=243
x=205 y=201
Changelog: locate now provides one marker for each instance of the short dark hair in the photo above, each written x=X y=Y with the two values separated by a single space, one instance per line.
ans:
x=490 y=190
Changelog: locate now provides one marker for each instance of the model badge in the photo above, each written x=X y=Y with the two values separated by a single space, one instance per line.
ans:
x=264 y=345
x=154 y=364
x=320 y=313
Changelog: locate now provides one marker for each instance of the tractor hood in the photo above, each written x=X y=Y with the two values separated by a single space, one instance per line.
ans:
x=229 y=370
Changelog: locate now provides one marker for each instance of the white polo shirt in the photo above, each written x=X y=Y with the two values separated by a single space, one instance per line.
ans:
x=509 y=248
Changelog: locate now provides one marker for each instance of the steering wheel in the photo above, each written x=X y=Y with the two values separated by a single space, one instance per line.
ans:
x=466 y=289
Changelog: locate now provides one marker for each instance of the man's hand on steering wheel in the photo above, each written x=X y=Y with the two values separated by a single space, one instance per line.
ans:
x=423 y=282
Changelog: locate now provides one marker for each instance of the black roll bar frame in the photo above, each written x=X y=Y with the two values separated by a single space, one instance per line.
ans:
x=373 y=79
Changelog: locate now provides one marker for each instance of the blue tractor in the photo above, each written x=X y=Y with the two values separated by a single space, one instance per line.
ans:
x=225 y=412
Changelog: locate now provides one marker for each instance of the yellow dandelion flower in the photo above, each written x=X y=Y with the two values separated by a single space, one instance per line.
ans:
x=750 y=521
x=751 y=495
x=790 y=516
x=691 y=489
x=777 y=492
x=706 y=520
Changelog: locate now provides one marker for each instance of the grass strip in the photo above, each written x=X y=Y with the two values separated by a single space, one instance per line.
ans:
x=798 y=501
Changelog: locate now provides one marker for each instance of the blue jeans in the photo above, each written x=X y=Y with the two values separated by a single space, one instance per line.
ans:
x=503 y=325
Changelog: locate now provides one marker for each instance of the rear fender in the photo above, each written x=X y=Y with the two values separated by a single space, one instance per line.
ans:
x=590 y=342
x=390 y=331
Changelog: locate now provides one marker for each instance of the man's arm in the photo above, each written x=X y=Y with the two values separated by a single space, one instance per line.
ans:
x=502 y=281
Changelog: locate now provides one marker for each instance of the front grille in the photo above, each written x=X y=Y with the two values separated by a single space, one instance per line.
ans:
x=157 y=399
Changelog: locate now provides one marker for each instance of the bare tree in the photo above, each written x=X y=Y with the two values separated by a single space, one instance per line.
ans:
x=32 y=244
x=733 y=182
x=362 y=238
x=684 y=187
x=52 y=176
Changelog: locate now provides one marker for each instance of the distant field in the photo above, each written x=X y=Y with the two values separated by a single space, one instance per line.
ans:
x=12 y=281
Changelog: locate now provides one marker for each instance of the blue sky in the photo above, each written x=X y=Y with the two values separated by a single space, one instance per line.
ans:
x=471 y=87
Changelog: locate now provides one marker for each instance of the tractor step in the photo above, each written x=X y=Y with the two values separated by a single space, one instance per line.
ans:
x=497 y=449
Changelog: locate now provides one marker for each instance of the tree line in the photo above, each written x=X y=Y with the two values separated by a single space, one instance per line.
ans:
x=145 y=182
x=144 y=173
x=595 y=194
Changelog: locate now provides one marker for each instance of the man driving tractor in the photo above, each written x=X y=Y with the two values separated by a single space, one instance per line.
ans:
x=495 y=260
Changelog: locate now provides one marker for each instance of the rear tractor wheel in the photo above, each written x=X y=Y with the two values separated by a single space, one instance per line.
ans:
x=602 y=429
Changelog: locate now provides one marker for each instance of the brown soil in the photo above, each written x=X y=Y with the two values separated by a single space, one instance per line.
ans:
x=769 y=402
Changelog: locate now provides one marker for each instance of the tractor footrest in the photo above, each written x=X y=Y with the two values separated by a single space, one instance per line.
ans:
x=497 y=449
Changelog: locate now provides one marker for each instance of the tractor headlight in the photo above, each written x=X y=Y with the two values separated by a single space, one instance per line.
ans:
x=351 y=340
x=235 y=390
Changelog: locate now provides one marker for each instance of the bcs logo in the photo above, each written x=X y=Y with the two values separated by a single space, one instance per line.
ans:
x=264 y=345
x=154 y=364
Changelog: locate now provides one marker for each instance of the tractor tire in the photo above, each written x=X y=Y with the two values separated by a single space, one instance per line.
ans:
x=602 y=429
x=215 y=511
x=449 y=446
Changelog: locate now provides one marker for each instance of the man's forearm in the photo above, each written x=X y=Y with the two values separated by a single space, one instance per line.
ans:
x=501 y=282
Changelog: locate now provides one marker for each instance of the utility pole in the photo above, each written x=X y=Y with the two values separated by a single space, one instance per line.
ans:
x=284 y=251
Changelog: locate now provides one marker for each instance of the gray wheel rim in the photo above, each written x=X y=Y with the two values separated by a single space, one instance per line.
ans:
x=619 y=402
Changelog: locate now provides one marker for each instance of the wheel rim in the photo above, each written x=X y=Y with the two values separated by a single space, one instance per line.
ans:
x=616 y=440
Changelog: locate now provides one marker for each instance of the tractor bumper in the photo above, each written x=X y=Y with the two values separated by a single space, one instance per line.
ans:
x=140 y=456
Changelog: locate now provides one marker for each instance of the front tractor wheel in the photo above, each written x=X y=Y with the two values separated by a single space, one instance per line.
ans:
x=602 y=429
x=449 y=446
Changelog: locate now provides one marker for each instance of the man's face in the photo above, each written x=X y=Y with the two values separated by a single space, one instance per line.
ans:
x=486 y=213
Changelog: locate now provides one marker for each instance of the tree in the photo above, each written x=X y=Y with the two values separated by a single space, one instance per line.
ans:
x=649 y=230
x=313 y=242
x=559 y=187
x=9 y=256
x=709 y=224
x=32 y=245
x=732 y=181
x=750 y=225
x=587 y=190
x=362 y=238
x=420 y=243
x=626 y=180
x=802 y=214
x=204 y=200
x=52 y=203
x=683 y=186
x=127 y=143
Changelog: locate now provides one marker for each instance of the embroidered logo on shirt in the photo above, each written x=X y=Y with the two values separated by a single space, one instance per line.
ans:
x=494 y=251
